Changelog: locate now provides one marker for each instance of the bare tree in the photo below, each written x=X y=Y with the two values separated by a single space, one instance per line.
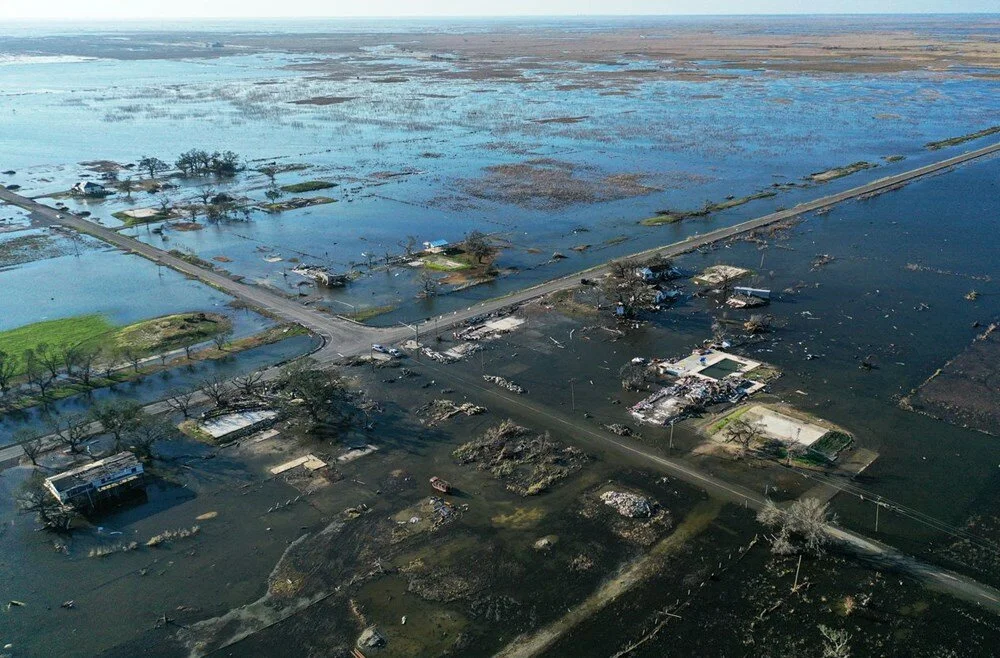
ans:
x=36 y=373
x=273 y=193
x=125 y=185
x=86 y=357
x=217 y=390
x=144 y=434
x=164 y=202
x=742 y=433
x=181 y=402
x=8 y=369
x=118 y=417
x=806 y=519
x=250 y=383
x=133 y=356
x=623 y=269
x=206 y=194
x=477 y=244
x=409 y=245
x=70 y=357
x=35 y=499
x=429 y=284
x=836 y=643
x=72 y=430
x=270 y=172
x=31 y=445
x=50 y=358
x=222 y=338
x=112 y=358
x=153 y=166
x=32 y=450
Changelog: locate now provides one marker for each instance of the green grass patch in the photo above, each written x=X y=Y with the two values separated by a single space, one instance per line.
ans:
x=724 y=422
x=171 y=332
x=832 y=443
x=296 y=203
x=191 y=429
x=894 y=158
x=192 y=259
x=840 y=172
x=146 y=338
x=308 y=186
x=86 y=329
x=365 y=314
x=455 y=263
x=954 y=141
x=672 y=216
x=763 y=374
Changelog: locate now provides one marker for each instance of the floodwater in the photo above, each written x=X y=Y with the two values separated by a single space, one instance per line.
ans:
x=865 y=304
x=733 y=132
x=403 y=157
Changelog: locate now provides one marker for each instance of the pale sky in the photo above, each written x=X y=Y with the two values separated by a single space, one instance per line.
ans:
x=176 y=9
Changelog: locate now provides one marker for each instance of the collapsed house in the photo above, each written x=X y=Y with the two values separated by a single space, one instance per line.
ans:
x=744 y=297
x=322 y=276
x=489 y=330
x=95 y=483
x=704 y=378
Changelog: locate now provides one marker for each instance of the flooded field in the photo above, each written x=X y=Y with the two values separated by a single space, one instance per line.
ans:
x=491 y=491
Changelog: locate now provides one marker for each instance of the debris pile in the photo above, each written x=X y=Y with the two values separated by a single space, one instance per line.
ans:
x=527 y=463
x=441 y=410
x=628 y=504
x=371 y=638
x=503 y=383
x=489 y=330
x=619 y=429
x=689 y=395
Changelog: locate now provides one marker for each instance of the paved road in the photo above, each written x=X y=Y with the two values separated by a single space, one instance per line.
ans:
x=345 y=338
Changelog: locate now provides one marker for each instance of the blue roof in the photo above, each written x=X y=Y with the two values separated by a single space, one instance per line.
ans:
x=438 y=243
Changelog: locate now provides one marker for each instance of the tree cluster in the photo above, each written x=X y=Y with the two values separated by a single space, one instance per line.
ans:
x=623 y=287
x=202 y=163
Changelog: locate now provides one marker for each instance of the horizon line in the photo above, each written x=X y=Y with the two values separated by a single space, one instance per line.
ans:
x=496 y=16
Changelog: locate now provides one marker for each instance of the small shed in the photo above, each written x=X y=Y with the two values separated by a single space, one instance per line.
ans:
x=436 y=246
x=759 y=293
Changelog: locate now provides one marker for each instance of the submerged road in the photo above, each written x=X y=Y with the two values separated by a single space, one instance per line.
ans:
x=345 y=338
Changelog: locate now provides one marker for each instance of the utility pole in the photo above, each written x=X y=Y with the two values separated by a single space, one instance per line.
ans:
x=572 y=391
x=672 y=434
x=878 y=504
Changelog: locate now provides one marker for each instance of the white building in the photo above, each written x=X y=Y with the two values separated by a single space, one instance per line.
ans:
x=89 y=188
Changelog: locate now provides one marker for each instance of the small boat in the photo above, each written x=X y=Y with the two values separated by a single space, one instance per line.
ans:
x=441 y=485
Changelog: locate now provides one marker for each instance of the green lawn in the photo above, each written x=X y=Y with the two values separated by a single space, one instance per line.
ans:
x=95 y=329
